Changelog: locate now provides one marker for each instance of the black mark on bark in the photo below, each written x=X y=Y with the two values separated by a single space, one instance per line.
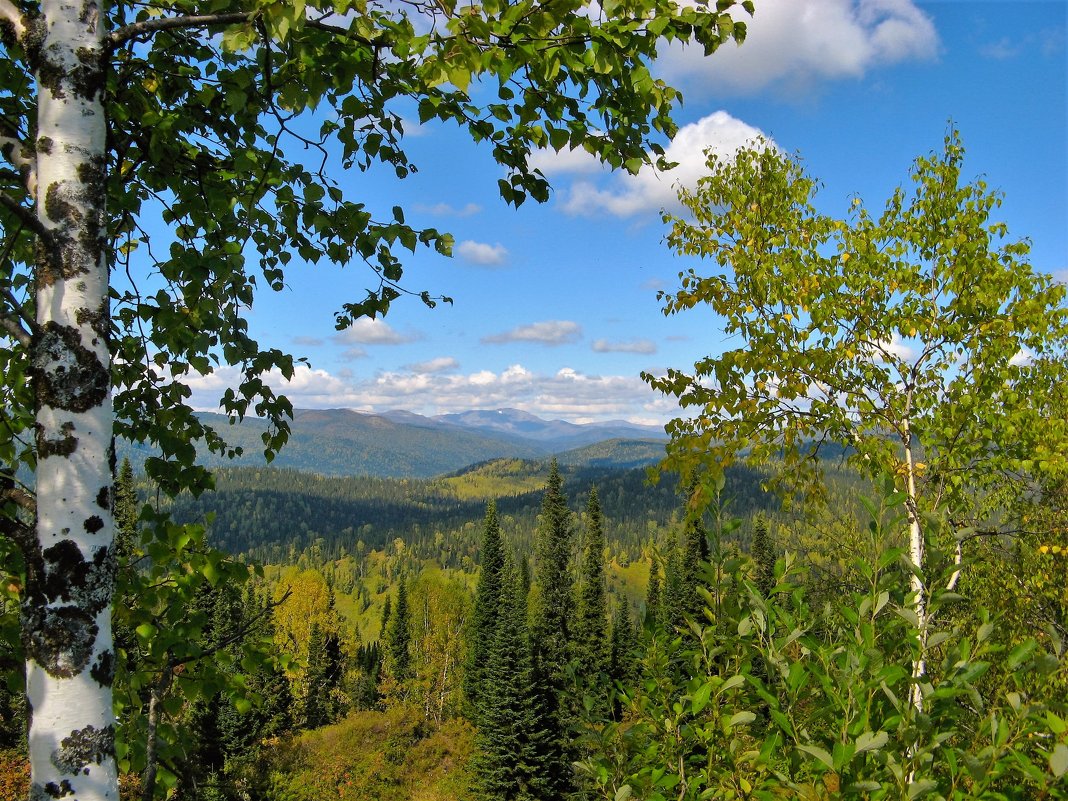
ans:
x=103 y=670
x=103 y=498
x=64 y=445
x=93 y=524
x=66 y=374
x=84 y=747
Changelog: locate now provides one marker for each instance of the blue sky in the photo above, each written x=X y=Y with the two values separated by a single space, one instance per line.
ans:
x=555 y=306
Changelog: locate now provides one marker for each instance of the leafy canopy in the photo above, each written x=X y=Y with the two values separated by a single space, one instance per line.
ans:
x=924 y=325
x=233 y=123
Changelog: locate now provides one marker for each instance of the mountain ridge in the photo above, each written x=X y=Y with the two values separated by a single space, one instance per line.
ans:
x=399 y=444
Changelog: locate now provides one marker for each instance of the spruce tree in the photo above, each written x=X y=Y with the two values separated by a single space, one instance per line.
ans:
x=508 y=740
x=552 y=624
x=484 y=617
x=653 y=600
x=591 y=649
x=621 y=661
x=763 y=553
x=551 y=641
x=399 y=642
x=127 y=516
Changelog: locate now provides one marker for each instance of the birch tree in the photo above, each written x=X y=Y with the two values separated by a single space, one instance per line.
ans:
x=922 y=339
x=222 y=119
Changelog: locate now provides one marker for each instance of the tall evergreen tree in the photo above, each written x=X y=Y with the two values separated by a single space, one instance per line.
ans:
x=508 y=766
x=399 y=642
x=653 y=600
x=591 y=649
x=621 y=660
x=551 y=639
x=763 y=552
x=484 y=617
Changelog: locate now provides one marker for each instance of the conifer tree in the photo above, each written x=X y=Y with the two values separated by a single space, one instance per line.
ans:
x=551 y=639
x=591 y=649
x=763 y=553
x=509 y=741
x=485 y=616
x=653 y=601
x=624 y=643
x=399 y=642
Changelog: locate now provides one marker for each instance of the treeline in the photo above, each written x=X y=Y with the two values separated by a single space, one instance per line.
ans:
x=271 y=516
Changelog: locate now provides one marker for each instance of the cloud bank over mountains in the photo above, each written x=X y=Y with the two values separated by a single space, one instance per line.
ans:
x=436 y=387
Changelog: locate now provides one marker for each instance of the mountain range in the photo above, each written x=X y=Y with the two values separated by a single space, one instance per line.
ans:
x=401 y=444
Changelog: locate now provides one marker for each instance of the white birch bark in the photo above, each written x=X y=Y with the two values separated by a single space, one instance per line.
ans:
x=67 y=611
x=916 y=585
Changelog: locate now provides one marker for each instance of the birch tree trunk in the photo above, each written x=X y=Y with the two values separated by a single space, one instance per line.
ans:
x=67 y=607
x=916 y=585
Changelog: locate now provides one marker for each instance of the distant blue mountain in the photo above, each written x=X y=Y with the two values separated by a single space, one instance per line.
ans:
x=400 y=444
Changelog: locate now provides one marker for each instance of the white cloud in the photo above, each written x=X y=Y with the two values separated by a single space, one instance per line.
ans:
x=791 y=45
x=307 y=342
x=625 y=195
x=372 y=331
x=569 y=393
x=629 y=346
x=549 y=332
x=448 y=210
x=353 y=353
x=438 y=365
x=482 y=253
x=1022 y=358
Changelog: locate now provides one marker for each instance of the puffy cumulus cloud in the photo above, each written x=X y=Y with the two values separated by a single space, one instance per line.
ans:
x=548 y=332
x=624 y=195
x=438 y=365
x=629 y=346
x=568 y=393
x=372 y=331
x=482 y=253
x=792 y=45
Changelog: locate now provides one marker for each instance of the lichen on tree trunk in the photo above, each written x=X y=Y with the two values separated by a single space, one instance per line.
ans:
x=70 y=575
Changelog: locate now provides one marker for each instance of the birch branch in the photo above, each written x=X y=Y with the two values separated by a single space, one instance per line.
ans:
x=15 y=330
x=149 y=26
x=25 y=216
x=138 y=30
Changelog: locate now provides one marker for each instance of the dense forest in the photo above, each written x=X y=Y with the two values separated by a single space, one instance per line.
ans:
x=846 y=576
x=568 y=642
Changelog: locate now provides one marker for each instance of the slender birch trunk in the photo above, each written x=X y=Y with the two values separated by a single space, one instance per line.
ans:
x=916 y=585
x=67 y=608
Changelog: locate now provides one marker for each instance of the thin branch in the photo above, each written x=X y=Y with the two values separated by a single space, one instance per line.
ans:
x=15 y=330
x=17 y=307
x=25 y=216
x=149 y=26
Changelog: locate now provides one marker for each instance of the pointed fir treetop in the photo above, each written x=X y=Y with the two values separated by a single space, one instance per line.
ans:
x=486 y=616
x=591 y=625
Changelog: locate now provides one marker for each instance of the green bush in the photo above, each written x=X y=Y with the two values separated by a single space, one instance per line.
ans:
x=769 y=698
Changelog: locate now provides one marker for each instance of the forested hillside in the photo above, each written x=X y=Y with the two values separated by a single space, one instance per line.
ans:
x=803 y=536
